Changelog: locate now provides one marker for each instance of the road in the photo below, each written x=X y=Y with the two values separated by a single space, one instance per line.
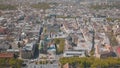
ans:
x=43 y=66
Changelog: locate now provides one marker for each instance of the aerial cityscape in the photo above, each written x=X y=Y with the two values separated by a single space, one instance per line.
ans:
x=59 y=33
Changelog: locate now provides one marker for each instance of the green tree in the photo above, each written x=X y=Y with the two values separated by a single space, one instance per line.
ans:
x=61 y=43
x=43 y=6
x=90 y=62
x=7 y=7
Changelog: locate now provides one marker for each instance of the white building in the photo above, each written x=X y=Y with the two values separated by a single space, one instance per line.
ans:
x=74 y=53
x=97 y=19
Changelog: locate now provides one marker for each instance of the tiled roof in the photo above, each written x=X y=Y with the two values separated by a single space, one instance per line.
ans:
x=6 y=55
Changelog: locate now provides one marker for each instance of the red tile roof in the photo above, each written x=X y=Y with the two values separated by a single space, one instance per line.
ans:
x=118 y=50
x=6 y=55
x=2 y=30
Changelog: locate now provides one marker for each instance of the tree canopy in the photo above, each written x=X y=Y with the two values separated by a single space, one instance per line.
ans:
x=105 y=6
x=41 y=6
x=7 y=7
x=14 y=63
x=90 y=62
x=61 y=43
